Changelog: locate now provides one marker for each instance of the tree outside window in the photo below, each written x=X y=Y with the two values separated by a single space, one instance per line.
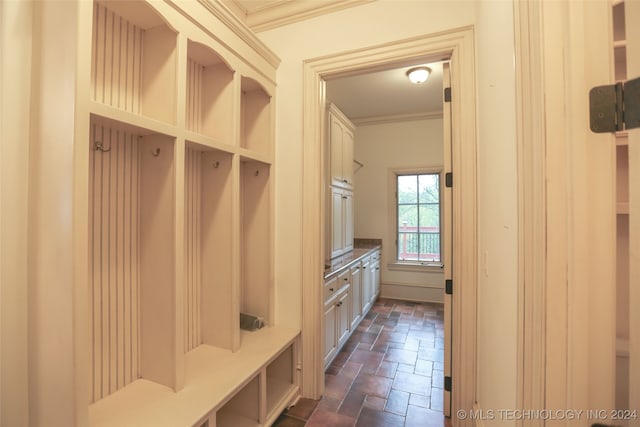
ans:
x=418 y=214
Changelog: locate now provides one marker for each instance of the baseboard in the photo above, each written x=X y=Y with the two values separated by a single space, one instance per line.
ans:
x=478 y=421
x=407 y=292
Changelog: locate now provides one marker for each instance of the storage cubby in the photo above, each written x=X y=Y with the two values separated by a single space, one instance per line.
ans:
x=280 y=381
x=131 y=256
x=210 y=95
x=255 y=126
x=133 y=64
x=243 y=409
x=209 y=316
x=255 y=243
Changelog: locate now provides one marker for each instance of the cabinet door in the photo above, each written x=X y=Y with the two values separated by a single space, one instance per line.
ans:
x=337 y=226
x=335 y=148
x=343 y=317
x=356 y=295
x=347 y=221
x=347 y=157
x=376 y=280
x=330 y=332
x=366 y=286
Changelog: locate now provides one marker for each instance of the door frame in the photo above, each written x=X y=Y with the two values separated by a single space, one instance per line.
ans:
x=456 y=45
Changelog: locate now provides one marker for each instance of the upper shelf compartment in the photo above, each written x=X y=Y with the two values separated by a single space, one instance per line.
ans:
x=209 y=94
x=255 y=129
x=133 y=65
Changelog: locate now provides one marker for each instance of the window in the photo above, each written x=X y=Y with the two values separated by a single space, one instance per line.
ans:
x=418 y=217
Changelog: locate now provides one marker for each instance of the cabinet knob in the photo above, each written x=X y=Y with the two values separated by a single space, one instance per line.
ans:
x=344 y=197
x=345 y=279
x=331 y=289
x=344 y=180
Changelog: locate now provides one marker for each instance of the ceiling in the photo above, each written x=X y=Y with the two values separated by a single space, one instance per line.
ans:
x=387 y=95
x=379 y=96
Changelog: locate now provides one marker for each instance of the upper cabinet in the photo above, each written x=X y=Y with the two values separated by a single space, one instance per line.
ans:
x=340 y=139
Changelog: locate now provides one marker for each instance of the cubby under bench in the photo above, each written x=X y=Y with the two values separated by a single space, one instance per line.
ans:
x=250 y=387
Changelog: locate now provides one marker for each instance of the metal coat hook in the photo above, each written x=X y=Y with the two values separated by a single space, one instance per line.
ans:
x=156 y=152
x=257 y=172
x=99 y=146
x=216 y=164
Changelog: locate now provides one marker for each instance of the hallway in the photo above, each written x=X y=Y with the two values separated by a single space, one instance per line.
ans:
x=388 y=374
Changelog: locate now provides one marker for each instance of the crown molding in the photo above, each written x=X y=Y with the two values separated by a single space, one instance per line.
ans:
x=225 y=14
x=377 y=120
x=283 y=12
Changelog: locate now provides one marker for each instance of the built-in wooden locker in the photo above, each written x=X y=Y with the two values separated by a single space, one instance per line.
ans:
x=180 y=221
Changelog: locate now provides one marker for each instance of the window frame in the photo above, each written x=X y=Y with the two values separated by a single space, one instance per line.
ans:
x=413 y=265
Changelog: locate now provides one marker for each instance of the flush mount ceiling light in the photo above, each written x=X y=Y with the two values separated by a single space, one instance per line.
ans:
x=418 y=75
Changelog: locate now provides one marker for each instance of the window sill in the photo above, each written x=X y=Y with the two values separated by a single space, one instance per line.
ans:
x=423 y=267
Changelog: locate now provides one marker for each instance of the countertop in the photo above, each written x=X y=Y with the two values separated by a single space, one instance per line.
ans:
x=362 y=248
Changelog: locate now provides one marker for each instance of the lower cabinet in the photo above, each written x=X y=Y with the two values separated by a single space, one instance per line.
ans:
x=348 y=297
x=337 y=323
x=356 y=295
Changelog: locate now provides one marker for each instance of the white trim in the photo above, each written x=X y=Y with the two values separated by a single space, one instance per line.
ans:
x=532 y=239
x=392 y=186
x=284 y=12
x=458 y=44
x=396 y=118
x=419 y=267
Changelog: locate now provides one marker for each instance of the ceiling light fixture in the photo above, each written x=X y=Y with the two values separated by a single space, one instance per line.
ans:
x=418 y=75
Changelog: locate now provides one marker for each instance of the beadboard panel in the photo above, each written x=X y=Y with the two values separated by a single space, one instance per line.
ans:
x=193 y=247
x=114 y=274
x=117 y=61
x=195 y=73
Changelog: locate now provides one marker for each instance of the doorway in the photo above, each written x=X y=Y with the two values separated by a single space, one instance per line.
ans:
x=457 y=46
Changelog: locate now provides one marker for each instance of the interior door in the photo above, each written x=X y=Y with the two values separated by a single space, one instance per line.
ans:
x=447 y=234
x=632 y=18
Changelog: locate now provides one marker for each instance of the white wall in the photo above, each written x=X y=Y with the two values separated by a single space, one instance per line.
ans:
x=497 y=210
x=384 y=21
x=15 y=48
x=382 y=148
x=341 y=31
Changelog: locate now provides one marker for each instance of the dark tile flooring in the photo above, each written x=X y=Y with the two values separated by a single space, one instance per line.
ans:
x=389 y=373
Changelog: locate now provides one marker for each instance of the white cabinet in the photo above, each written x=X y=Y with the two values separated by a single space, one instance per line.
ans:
x=337 y=321
x=340 y=134
x=356 y=295
x=367 y=284
x=348 y=294
x=341 y=224
x=375 y=272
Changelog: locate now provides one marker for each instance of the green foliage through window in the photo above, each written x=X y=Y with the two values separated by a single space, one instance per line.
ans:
x=418 y=226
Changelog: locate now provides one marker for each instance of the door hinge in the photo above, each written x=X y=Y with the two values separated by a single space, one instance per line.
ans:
x=447 y=94
x=615 y=107
x=447 y=383
x=448 y=287
x=448 y=179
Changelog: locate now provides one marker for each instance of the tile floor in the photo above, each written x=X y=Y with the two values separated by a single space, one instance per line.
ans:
x=389 y=373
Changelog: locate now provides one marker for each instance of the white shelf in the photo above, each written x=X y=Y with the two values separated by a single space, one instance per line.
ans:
x=212 y=377
x=110 y=116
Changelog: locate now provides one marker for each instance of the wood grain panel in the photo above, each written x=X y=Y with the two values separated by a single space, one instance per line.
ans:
x=114 y=250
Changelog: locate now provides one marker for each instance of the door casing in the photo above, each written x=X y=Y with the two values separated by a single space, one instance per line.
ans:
x=457 y=46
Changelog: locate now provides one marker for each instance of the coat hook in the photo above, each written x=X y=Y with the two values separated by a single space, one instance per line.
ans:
x=156 y=152
x=257 y=172
x=216 y=164
x=99 y=146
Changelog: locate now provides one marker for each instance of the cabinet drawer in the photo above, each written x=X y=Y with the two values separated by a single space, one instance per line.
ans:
x=334 y=285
